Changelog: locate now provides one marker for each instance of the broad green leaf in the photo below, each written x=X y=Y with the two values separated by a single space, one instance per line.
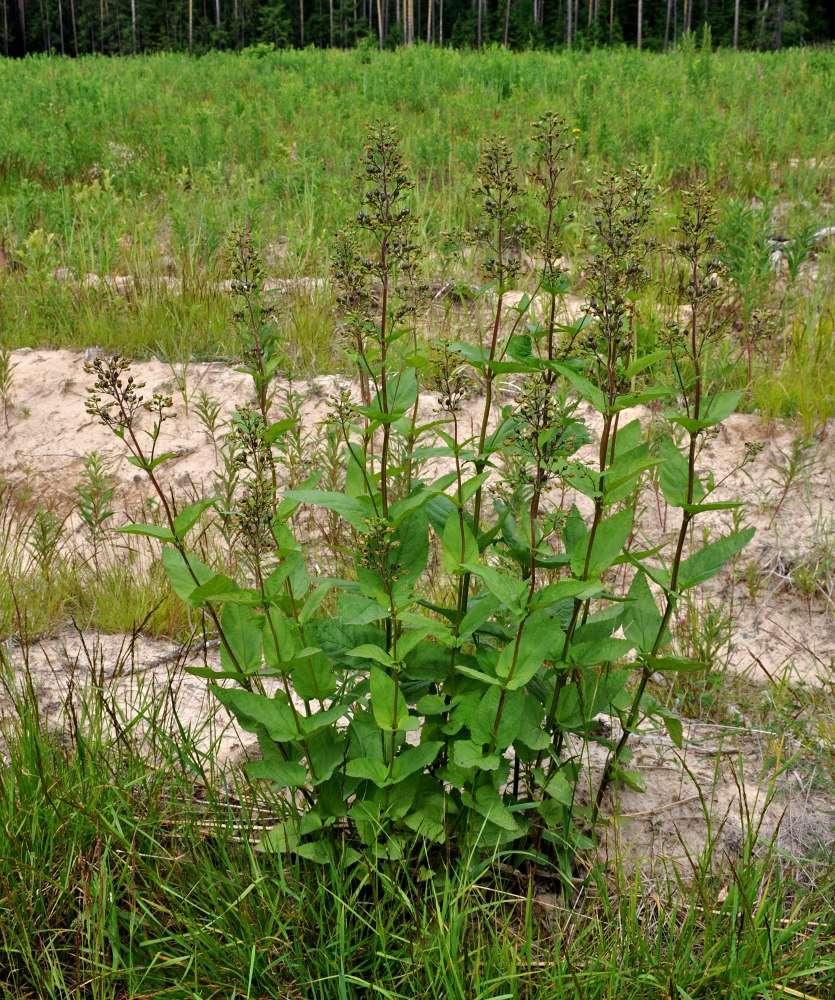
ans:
x=275 y=430
x=675 y=664
x=479 y=610
x=281 y=639
x=317 y=851
x=673 y=471
x=242 y=630
x=285 y=773
x=508 y=590
x=708 y=561
x=412 y=759
x=368 y=651
x=187 y=518
x=541 y=639
x=588 y=391
x=468 y=754
x=181 y=580
x=215 y=589
x=482 y=723
x=428 y=817
x=325 y=752
x=311 y=604
x=632 y=779
x=458 y=547
x=150 y=530
x=642 y=619
x=719 y=408
x=609 y=541
x=639 y=364
x=369 y=770
x=488 y=803
x=355 y=609
x=355 y=511
x=254 y=711
x=314 y=678
x=408 y=557
x=388 y=704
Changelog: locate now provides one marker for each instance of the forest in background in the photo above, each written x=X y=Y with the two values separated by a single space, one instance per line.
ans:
x=123 y=27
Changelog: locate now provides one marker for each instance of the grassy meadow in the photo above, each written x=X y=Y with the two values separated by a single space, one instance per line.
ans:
x=130 y=863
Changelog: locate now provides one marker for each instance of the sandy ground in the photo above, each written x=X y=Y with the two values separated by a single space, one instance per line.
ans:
x=777 y=598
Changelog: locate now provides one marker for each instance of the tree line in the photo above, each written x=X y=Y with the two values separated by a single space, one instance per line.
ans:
x=122 y=27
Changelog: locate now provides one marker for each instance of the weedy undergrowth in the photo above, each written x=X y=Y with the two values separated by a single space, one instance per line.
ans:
x=462 y=717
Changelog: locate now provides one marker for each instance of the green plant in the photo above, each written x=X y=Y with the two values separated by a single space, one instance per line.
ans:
x=95 y=494
x=6 y=369
x=529 y=640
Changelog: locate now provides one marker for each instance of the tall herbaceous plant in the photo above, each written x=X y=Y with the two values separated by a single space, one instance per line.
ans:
x=496 y=597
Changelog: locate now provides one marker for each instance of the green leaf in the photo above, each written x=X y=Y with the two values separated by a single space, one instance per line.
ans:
x=479 y=610
x=254 y=711
x=673 y=473
x=588 y=391
x=281 y=639
x=458 y=547
x=541 y=640
x=285 y=773
x=317 y=851
x=488 y=803
x=632 y=779
x=369 y=770
x=355 y=609
x=368 y=651
x=388 y=704
x=216 y=589
x=181 y=580
x=412 y=759
x=642 y=619
x=150 y=530
x=506 y=589
x=275 y=430
x=408 y=558
x=609 y=541
x=468 y=754
x=720 y=408
x=708 y=561
x=242 y=631
x=675 y=664
x=186 y=519
x=355 y=511
x=314 y=678
x=639 y=364
x=482 y=723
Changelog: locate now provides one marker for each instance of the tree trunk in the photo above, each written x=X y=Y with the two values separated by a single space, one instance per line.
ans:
x=506 y=22
x=667 y=25
x=478 y=25
x=330 y=21
x=133 y=26
x=640 y=24
x=778 y=33
x=736 y=24
x=191 y=27
x=74 y=28
x=568 y=13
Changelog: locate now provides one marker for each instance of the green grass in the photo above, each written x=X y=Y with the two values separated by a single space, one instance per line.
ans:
x=112 y=885
x=144 y=167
